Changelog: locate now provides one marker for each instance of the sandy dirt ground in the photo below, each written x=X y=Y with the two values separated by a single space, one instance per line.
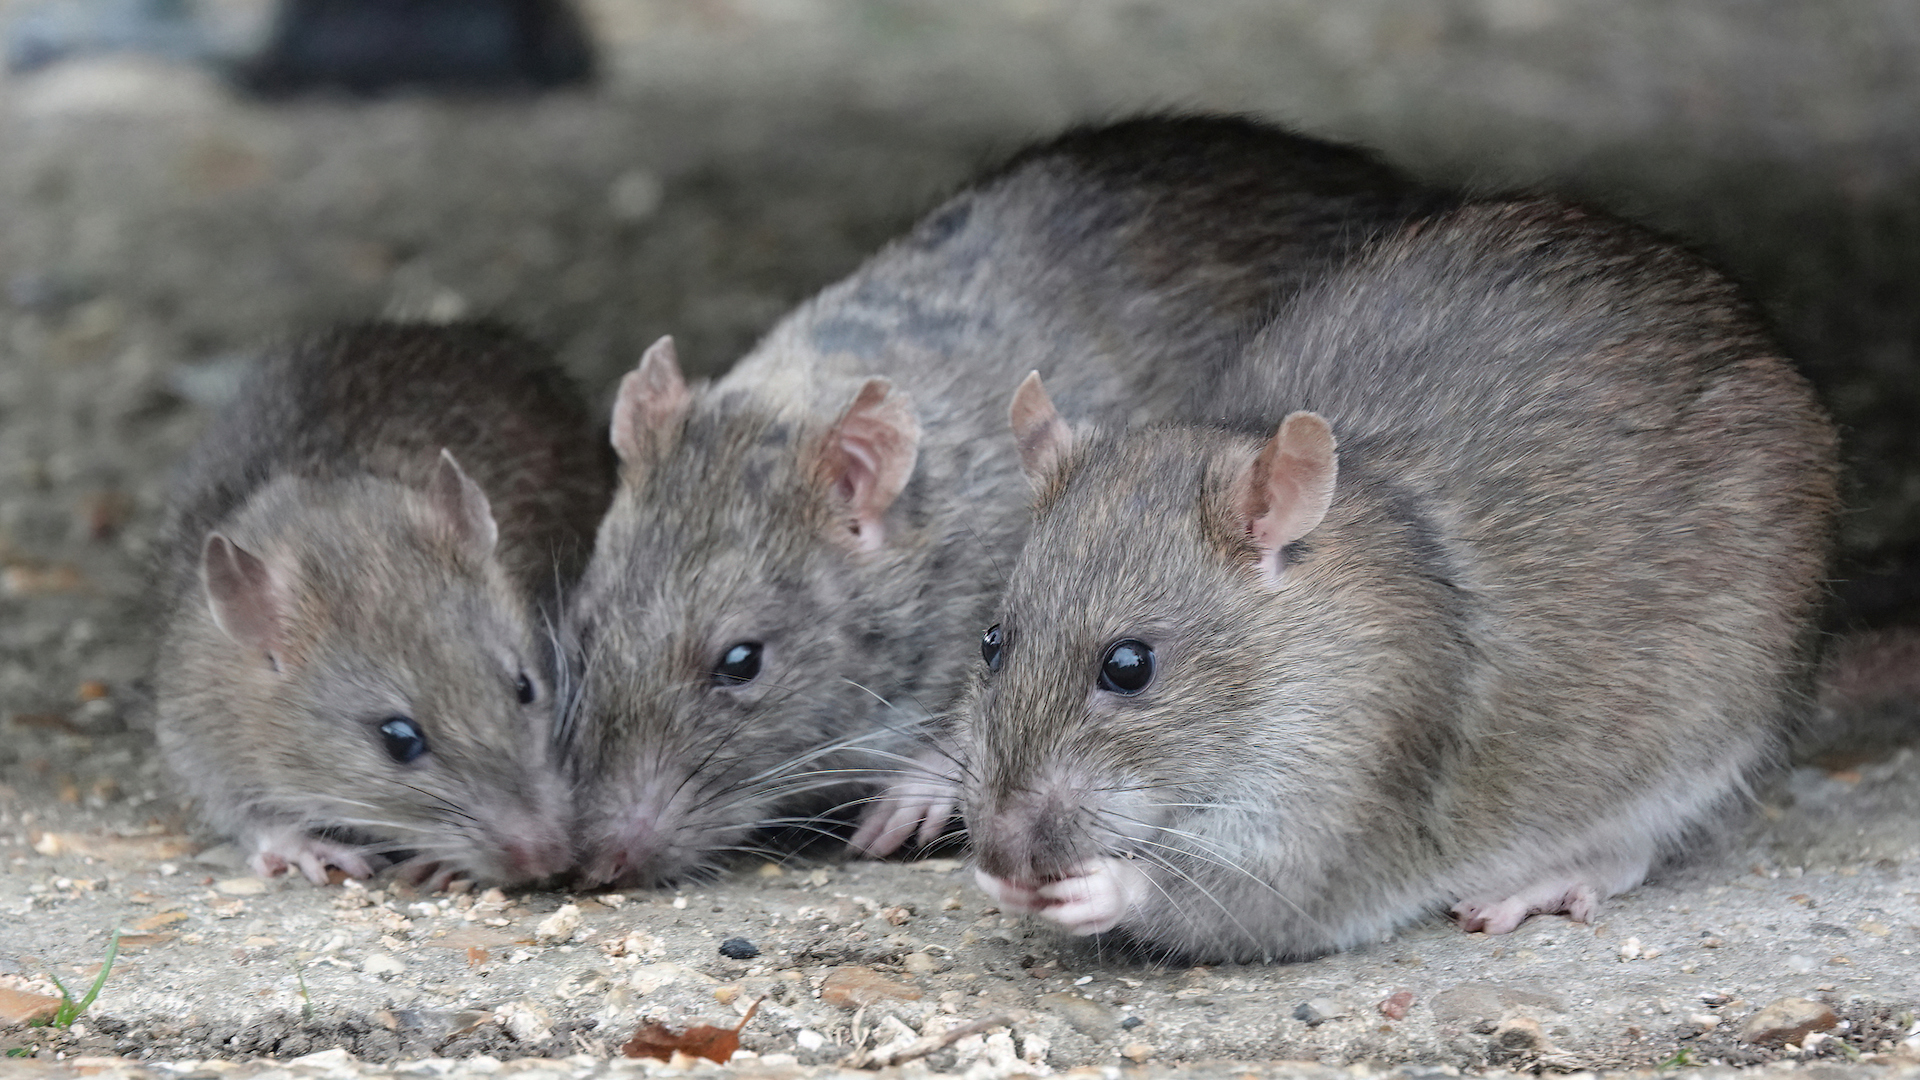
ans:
x=156 y=232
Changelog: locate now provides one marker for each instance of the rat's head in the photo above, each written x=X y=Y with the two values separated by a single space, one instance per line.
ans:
x=1125 y=715
x=384 y=675
x=724 y=630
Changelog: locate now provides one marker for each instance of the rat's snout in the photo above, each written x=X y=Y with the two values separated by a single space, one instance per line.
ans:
x=631 y=849
x=1027 y=838
x=534 y=860
x=532 y=850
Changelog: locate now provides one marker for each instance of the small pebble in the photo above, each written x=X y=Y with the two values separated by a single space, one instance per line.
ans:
x=739 y=948
x=1396 y=1005
x=1788 y=1019
x=1137 y=1052
x=559 y=926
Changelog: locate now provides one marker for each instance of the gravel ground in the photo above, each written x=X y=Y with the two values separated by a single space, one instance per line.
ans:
x=155 y=232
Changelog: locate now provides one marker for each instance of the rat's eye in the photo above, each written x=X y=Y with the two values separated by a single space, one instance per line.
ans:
x=993 y=647
x=739 y=664
x=1127 y=668
x=403 y=738
x=525 y=689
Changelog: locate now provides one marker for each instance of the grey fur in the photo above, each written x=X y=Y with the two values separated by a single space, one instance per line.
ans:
x=1128 y=263
x=1559 y=613
x=324 y=469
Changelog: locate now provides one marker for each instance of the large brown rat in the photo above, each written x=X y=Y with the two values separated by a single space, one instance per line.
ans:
x=1514 y=602
x=364 y=558
x=779 y=598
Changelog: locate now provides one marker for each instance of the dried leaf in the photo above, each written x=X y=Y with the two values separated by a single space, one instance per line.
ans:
x=160 y=921
x=476 y=956
x=46 y=721
x=715 y=1044
x=143 y=941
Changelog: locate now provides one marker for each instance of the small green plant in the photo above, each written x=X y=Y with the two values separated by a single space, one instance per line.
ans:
x=306 y=1000
x=71 y=1010
x=19 y=1051
x=1682 y=1059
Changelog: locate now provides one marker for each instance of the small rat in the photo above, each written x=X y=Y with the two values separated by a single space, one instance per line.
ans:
x=361 y=553
x=1513 y=603
x=778 y=601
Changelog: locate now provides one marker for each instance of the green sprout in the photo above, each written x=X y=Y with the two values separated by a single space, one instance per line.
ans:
x=306 y=1000
x=1682 y=1059
x=71 y=1010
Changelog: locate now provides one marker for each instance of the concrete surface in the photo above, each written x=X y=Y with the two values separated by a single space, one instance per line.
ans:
x=154 y=232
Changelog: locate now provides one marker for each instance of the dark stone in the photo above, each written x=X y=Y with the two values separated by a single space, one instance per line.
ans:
x=739 y=948
x=376 y=46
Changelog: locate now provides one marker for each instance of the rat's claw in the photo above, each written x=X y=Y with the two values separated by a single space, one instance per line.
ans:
x=922 y=799
x=280 y=850
x=1013 y=897
x=1577 y=899
x=1095 y=897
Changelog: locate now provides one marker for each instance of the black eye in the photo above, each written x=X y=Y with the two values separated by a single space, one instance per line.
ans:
x=993 y=647
x=404 y=739
x=1127 y=668
x=525 y=689
x=739 y=664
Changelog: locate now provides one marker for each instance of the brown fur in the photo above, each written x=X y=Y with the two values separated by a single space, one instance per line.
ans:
x=1557 y=614
x=1128 y=264
x=367 y=583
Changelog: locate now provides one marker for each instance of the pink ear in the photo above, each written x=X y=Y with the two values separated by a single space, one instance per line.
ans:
x=1044 y=439
x=464 y=506
x=1286 y=491
x=652 y=398
x=247 y=604
x=867 y=458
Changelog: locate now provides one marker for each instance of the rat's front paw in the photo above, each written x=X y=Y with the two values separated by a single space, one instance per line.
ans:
x=279 y=850
x=1012 y=897
x=923 y=799
x=1095 y=896
x=1578 y=900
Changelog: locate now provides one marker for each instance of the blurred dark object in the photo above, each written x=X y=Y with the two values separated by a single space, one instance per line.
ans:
x=48 y=32
x=1881 y=590
x=375 y=46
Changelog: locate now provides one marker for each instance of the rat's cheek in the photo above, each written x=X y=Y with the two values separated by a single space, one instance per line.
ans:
x=1096 y=897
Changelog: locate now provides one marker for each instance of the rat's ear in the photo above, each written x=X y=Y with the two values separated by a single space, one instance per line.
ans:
x=1044 y=439
x=866 y=459
x=247 y=604
x=1285 y=492
x=463 y=506
x=653 y=399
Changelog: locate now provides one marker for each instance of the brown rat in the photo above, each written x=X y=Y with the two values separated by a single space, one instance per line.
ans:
x=779 y=599
x=1516 y=599
x=364 y=557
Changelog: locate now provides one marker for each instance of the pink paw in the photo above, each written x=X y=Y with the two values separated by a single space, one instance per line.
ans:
x=1092 y=899
x=1578 y=900
x=922 y=800
x=276 y=852
x=1012 y=897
